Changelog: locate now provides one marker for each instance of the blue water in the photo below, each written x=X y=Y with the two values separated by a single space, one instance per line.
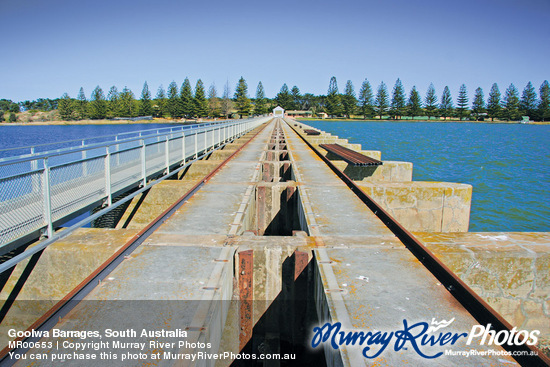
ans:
x=508 y=165
x=23 y=136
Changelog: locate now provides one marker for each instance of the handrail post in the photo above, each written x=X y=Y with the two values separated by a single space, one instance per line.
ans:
x=143 y=165
x=47 y=198
x=196 y=144
x=84 y=164
x=117 y=147
x=35 y=180
x=183 y=157
x=108 y=176
x=167 y=155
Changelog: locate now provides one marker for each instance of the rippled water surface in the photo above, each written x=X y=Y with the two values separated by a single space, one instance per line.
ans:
x=23 y=136
x=507 y=165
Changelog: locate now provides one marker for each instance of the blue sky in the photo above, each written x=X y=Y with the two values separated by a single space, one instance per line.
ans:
x=58 y=46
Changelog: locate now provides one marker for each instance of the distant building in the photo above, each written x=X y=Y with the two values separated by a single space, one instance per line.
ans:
x=279 y=112
x=322 y=115
x=299 y=114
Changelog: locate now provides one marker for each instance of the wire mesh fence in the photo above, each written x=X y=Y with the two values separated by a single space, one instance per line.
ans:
x=40 y=189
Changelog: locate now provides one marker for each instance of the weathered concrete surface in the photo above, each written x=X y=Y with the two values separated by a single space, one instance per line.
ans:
x=509 y=270
x=360 y=265
x=279 y=288
x=376 y=154
x=390 y=171
x=199 y=169
x=148 y=292
x=62 y=266
x=221 y=154
x=149 y=205
x=424 y=206
x=175 y=279
x=365 y=277
x=325 y=139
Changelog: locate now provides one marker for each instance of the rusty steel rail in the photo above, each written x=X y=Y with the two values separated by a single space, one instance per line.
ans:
x=351 y=156
x=469 y=299
x=312 y=132
x=67 y=303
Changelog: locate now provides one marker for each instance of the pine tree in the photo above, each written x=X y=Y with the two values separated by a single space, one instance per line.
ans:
x=97 y=108
x=349 y=101
x=381 y=101
x=478 y=105
x=414 y=105
x=333 y=101
x=446 y=105
x=201 y=104
x=82 y=109
x=528 y=103
x=244 y=106
x=173 y=103
x=113 y=103
x=296 y=98
x=366 y=99
x=65 y=106
x=186 y=99
x=511 y=103
x=284 y=98
x=127 y=107
x=462 y=101
x=145 y=106
x=227 y=103
x=493 y=103
x=214 y=109
x=544 y=101
x=160 y=102
x=430 y=102
x=398 y=99
x=260 y=106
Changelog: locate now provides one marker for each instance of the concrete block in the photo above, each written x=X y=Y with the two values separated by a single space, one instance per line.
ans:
x=149 y=205
x=200 y=169
x=221 y=155
x=508 y=270
x=390 y=171
x=61 y=267
x=424 y=206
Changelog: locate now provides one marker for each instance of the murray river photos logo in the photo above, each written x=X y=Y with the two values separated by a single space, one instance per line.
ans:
x=420 y=337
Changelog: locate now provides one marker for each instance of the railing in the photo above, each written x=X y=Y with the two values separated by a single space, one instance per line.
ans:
x=41 y=190
x=10 y=153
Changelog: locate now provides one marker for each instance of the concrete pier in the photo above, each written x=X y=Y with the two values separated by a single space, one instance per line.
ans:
x=275 y=244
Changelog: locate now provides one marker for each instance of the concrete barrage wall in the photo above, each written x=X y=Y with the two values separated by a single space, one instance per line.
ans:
x=424 y=206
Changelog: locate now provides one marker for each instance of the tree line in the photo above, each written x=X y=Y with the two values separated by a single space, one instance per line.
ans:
x=509 y=106
x=182 y=102
x=188 y=102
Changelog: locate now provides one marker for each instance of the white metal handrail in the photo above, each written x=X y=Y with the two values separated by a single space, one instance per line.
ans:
x=80 y=148
x=40 y=191
x=32 y=148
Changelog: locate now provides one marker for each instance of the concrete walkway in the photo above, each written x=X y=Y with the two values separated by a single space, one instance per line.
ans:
x=370 y=280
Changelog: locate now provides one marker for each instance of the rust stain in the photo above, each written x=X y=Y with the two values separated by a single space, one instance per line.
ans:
x=246 y=288
x=300 y=263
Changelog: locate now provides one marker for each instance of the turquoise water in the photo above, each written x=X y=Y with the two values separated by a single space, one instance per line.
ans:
x=508 y=165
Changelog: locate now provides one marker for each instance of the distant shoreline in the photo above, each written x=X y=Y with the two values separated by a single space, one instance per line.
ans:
x=183 y=122
x=102 y=122
x=444 y=121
